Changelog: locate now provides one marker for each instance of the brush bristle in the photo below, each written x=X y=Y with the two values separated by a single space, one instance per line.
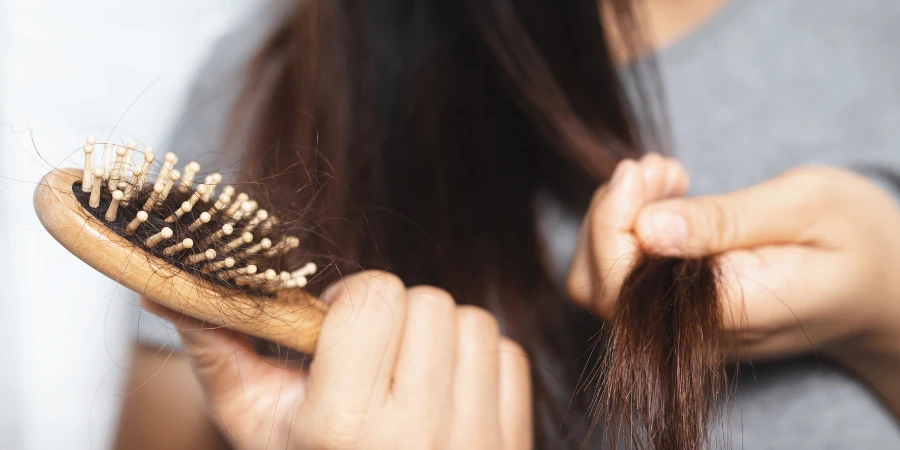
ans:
x=226 y=240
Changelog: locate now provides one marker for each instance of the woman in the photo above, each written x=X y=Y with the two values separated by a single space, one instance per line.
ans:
x=460 y=143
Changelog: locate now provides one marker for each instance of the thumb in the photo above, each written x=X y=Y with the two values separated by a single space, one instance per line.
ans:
x=765 y=214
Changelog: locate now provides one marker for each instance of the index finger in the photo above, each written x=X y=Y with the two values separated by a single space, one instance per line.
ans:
x=359 y=342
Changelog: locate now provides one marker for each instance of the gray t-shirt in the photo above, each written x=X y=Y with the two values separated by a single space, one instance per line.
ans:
x=764 y=86
x=767 y=85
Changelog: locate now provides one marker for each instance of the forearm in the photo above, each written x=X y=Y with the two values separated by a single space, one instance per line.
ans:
x=163 y=406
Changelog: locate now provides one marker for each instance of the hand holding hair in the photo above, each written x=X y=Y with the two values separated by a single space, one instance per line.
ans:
x=395 y=367
x=808 y=261
x=607 y=248
x=660 y=370
x=815 y=247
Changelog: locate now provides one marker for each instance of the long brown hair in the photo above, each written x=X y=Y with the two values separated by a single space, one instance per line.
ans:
x=414 y=136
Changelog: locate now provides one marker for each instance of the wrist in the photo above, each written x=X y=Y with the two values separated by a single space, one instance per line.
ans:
x=874 y=356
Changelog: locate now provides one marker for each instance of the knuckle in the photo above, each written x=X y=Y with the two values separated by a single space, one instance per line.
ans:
x=378 y=296
x=432 y=298
x=807 y=180
x=476 y=321
x=814 y=188
x=512 y=348
x=383 y=284
x=653 y=164
x=598 y=194
x=726 y=224
x=369 y=285
x=679 y=175
x=812 y=173
x=651 y=158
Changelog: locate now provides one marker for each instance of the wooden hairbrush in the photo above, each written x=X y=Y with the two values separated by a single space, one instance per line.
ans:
x=216 y=257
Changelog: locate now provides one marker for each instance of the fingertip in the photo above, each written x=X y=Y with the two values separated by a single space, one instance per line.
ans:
x=360 y=337
x=677 y=179
x=624 y=170
x=625 y=197
x=661 y=230
x=627 y=185
x=476 y=325
x=651 y=156
x=653 y=168
x=512 y=349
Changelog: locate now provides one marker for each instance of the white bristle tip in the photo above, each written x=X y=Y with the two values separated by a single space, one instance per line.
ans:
x=297 y=282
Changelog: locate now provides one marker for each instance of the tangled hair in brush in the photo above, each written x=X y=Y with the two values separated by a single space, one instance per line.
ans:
x=227 y=241
x=662 y=371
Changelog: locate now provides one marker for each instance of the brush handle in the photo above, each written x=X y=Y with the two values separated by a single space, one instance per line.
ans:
x=293 y=319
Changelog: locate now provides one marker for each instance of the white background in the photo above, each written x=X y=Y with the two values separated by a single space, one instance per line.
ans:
x=68 y=69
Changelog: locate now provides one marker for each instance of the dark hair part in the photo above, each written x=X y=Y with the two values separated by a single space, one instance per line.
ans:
x=662 y=369
x=414 y=136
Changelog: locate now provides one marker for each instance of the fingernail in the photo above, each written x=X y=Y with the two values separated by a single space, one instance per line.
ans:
x=665 y=230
